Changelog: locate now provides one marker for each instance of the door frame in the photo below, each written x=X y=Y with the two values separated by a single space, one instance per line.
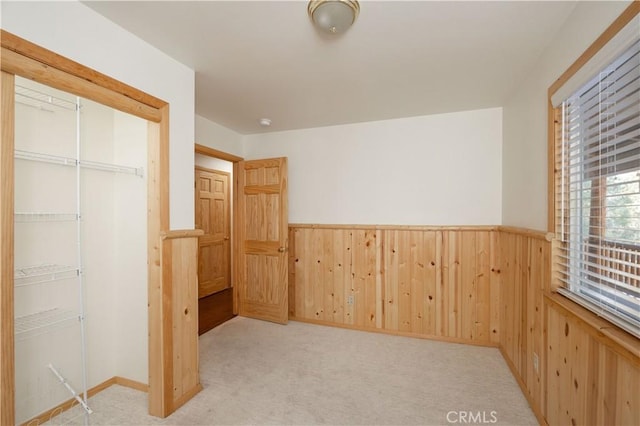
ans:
x=229 y=213
x=23 y=58
x=221 y=155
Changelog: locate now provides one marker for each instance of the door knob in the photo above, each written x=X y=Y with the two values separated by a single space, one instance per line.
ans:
x=226 y=238
x=282 y=249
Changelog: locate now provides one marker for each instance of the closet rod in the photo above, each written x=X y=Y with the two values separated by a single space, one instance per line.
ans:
x=68 y=161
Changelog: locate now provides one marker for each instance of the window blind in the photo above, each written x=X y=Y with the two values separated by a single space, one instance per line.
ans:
x=607 y=54
x=598 y=192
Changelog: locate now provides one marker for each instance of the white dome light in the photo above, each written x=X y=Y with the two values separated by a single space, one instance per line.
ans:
x=333 y=16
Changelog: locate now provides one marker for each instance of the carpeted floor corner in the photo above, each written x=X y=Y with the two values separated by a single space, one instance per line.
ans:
x=259 y=373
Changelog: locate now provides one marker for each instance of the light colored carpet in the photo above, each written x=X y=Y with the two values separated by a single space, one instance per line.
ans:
x=255 y=372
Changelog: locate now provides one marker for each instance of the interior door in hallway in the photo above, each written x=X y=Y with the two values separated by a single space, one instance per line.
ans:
x=213 y=217
x=263 y=239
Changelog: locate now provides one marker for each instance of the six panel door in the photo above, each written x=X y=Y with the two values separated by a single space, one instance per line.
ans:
x=212 y=216
x=263 y=240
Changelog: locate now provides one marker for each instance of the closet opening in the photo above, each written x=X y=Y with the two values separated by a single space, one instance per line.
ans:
x=215 y=195
x=167 y=254
x=80 y=250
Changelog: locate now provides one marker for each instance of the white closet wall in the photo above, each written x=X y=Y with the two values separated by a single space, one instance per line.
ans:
x=130 y=202
x=113 y=246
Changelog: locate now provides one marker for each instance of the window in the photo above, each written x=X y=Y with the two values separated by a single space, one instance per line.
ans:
x=597 y=191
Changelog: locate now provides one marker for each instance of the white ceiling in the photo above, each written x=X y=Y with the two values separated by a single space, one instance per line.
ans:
x=257 y=59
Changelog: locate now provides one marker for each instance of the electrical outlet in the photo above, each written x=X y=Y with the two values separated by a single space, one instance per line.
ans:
x=350 y=299
x=535 y=362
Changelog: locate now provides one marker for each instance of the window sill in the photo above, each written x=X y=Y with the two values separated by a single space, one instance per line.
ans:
x=605 y=332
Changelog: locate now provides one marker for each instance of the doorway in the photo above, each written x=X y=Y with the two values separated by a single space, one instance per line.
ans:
x=214 y=194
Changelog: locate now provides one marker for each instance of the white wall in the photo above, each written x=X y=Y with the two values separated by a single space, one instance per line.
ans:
x=431 y=170
x=524 y=180
x=213 y=135
x=130 y=250
x=77 y=32
x=213 y=163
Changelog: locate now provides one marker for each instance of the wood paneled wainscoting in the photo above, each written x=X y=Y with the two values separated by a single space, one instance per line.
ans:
x=588 y=371
x=479 y=285
x=423 y=281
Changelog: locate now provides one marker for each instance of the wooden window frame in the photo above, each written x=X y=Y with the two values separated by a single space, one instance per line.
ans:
x=554 y=116
x=23 y=58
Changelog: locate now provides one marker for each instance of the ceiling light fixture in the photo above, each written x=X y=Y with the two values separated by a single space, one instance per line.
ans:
x=265 y=122
x=333 y=16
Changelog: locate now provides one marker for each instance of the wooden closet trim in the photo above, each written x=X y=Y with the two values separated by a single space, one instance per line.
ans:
x=7 y=355
x=33 y=51
x=15 y=63
x=23 y=58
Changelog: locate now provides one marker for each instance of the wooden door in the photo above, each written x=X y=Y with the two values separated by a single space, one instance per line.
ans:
x=212 y=216
x=263 y=239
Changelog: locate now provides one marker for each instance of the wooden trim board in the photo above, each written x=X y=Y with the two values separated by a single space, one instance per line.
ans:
x=37 y=53
x=7 y=353
x=211 y=152
x=540 y=235
x=602 y=330
x=15 y=63
x=182 y=233
x=398 y=333
x=397 y=227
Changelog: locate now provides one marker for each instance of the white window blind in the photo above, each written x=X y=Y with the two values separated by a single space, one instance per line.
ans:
x=598 y=192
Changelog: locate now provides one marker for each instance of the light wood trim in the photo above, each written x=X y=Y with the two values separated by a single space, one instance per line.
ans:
x=235 y=238
x=485 y=344
x=551 y=166
x=540 y=235
x=165 y=354
x=42 y=55
x=602 y=330
x=523 y=387
x=205 y=150
x=15 y=63
x=187 y=396
x=625 y=17
x=157 y=222
x=133 y=384
x=183 y=233
x=396 y=227
x=166 y=329
x=7 y=355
